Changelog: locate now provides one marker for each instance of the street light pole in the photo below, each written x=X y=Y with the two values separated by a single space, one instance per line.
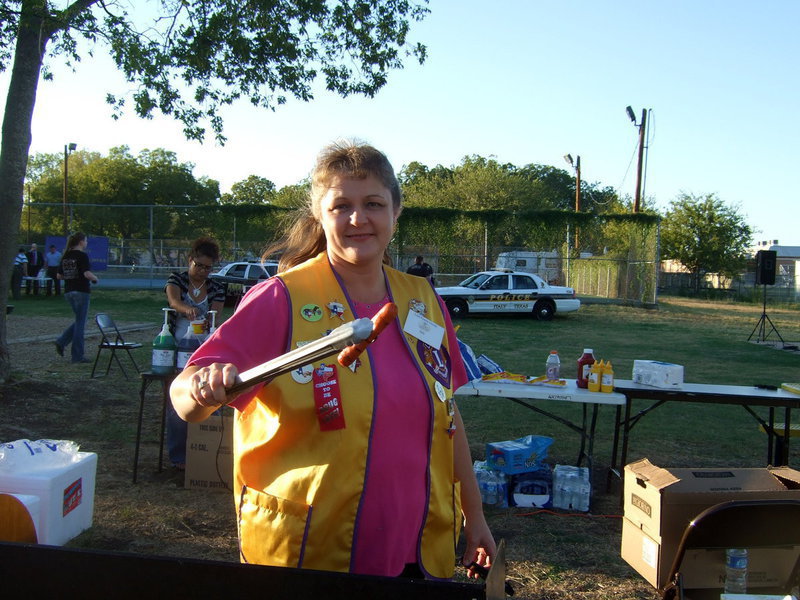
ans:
x=576 y=164
x=67 y=149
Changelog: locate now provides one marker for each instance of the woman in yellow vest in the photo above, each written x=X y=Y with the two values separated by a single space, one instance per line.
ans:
x=363 y=469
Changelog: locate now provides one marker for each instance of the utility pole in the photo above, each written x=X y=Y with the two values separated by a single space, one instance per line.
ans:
x=637 y=202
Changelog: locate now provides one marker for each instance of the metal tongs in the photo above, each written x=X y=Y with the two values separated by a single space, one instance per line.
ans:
x=349 y=340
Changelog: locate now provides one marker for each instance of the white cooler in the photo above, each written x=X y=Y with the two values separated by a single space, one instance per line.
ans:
x=66 y=497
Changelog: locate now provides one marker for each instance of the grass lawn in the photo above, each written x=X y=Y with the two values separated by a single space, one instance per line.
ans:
x=708 y=338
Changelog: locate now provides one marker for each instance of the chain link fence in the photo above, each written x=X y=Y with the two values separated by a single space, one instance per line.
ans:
x=616 y=260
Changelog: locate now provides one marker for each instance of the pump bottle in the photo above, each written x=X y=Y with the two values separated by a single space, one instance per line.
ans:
x=164 y=347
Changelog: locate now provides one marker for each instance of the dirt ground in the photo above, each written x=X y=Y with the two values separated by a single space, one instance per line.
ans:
x=48 y=397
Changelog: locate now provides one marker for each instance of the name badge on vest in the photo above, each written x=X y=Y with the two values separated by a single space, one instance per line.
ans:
x=327 y=398
x=424 y=329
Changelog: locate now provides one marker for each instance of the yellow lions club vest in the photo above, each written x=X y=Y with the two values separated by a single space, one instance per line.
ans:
x=298 y=488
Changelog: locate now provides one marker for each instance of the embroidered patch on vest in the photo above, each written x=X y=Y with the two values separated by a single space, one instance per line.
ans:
x=436 y=361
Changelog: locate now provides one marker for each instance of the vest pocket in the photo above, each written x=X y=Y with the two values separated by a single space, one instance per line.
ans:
x=272 y=530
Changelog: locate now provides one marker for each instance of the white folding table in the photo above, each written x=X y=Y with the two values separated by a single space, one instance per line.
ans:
x=524 y=394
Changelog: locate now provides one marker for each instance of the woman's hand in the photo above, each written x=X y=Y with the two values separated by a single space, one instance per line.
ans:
x=190 y=312
x=480 y=545
x=199 y=391
x=208 y=385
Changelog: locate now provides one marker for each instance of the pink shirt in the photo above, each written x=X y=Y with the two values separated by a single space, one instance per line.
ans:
x=395 y=490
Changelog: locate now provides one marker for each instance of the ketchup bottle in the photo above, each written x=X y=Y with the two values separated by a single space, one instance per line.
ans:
x=585 y=363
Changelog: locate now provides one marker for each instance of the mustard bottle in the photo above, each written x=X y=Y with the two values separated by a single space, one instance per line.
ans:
x=607 y=378
x=595 y=373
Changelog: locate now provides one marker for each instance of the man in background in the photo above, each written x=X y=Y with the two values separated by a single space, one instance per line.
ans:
x=421 y=269
x=51 y=260
x=19 y=271
x=35 y=264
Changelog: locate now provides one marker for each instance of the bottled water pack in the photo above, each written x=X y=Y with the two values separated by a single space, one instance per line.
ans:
x=492 y=484
x=572 y=488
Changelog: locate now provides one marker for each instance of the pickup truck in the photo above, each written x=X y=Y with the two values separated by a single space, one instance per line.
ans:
x=238 y=277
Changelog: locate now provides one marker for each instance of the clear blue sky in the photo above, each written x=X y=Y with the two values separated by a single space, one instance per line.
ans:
x=526 y=81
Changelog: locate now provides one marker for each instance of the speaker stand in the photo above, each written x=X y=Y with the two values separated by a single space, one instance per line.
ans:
x=761 y=326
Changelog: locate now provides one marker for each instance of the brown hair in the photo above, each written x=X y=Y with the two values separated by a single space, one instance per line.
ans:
x=75 y=239
x=305 y=237
x=205 y=246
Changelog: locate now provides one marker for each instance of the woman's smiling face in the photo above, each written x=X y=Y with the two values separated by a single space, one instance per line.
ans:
x=358 y=218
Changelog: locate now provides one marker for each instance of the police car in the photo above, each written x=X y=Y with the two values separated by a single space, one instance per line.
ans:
x=504 y=291
x=237 y=277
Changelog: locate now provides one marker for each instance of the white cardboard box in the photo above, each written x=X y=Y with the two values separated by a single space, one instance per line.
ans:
x=657 y=373
x=66 y=496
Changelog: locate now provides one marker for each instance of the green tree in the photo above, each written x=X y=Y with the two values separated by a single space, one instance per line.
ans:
x=253 y=190
x=189 y=59
x=104 y=191
x=706 y=236
x=293 y=196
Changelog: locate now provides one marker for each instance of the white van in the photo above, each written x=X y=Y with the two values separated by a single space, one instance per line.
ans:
x=546 y=265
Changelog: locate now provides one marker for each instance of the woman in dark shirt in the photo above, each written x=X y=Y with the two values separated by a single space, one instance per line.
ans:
x=191 y=294
x=75 y=273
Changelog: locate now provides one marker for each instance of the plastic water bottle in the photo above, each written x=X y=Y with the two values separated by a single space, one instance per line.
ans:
x=558 y=491
x=480 y=476
x=562 y=488
x=502 y=490
x=584 y=491
x=736 y=571
x=569 y=488
x=553 y=366
x=491 y=489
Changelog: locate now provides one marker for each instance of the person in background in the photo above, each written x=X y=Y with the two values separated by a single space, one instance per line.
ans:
x=421 y=269
x=384 y=460
x=192 y=294
x=52 y=260
x=19 y=271
x=76 y=274
x=35 y=264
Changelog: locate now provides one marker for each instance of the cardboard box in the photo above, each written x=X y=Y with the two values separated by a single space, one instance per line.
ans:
x=66 y=497
x=209 y=453
x=657 y=374
x=518 y=456
x=659 y=503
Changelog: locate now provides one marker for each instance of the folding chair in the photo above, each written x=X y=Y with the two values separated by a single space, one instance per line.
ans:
x=111 y=339
x=769 y=529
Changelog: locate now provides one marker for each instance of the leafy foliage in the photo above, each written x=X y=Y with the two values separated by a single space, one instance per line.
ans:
x=196 y=57
x=705 y=235
x=99 y=186
x=189 y=59
x=253 y=190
